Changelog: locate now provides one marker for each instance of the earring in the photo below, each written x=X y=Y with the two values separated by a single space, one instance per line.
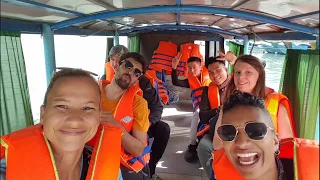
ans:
x=277 y=152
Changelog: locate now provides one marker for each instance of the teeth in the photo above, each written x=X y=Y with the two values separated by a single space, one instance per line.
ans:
x=247 y=163
x=246 y=154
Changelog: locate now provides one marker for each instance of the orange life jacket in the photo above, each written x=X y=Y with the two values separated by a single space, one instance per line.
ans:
x=304 y=152
x=162 y=57
x=196 y=87
x=187 y=50
x=214 y=100
x=109 y=72
x=29 y=155
x=159 y=85
x=272 y=102
x=213 y=95
x=123 y=113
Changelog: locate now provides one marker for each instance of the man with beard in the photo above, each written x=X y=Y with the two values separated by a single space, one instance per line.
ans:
x=158 y=130
x=123 y=107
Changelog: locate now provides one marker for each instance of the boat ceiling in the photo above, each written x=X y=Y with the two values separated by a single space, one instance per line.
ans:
x=302 y=12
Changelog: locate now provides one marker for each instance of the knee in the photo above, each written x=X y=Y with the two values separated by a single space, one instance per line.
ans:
x=201 y=146
x=165 y=127
x=162 y=128
x=205 y=145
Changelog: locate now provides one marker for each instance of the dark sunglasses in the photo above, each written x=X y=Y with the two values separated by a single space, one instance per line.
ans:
x=254 y=130
x=128 y=65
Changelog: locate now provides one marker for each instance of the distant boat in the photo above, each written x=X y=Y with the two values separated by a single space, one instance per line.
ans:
x=281 y=49
x=274 y=48
x=256 y=45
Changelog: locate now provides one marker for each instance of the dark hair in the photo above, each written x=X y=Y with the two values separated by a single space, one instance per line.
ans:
x=68 y=73
x=259 y=89
x=239 y=98
x=194 y=59
x=212 y=60
x=137 y=57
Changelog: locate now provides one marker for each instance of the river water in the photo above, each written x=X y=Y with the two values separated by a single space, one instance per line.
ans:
x=274 y=66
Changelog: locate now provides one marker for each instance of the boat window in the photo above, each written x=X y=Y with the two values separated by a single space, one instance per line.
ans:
x=87 y=53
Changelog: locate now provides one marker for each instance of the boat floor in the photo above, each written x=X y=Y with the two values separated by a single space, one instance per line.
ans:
x=172 y=166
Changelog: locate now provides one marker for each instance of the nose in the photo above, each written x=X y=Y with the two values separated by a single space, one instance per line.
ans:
x=242 y=140
x=130 y=71
x=241 y=75
x=75 y=117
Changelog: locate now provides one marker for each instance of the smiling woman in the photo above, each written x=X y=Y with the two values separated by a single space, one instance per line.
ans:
x=253 y=150
x=249 y=142
x=249 y=77
x=70 y=118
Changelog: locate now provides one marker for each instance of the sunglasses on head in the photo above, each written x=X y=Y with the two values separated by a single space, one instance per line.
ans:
x=254 y=130
x=119 y=54
x=128 y=65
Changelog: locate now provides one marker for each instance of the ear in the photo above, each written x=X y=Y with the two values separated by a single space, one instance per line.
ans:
x=201 y=66
x=42 y=111
x=276 y=142
x=116 y=66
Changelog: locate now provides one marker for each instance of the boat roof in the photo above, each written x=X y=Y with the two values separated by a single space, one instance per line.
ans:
x=229 y=18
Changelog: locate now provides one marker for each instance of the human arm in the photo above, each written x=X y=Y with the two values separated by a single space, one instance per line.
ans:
x=151 y=96
x=174 y=77
x=135 y=143
x=284 y=123
x=178 y=82
x=229 y=57
x=205 y=112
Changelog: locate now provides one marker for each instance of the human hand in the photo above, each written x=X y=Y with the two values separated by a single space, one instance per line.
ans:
x=106 y=116
x=175 y=60
x=229 y=56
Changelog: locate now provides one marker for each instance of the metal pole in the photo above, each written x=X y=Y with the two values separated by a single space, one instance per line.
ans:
x=178 y=3
x=116 y=39
x=317 y=43
x=48 y=45
x=211 y=48
x=109 y=46
x=246 y=44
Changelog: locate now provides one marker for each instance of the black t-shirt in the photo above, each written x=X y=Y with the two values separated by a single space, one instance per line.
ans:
x=151 y=96
x=86 y=155
x=285 y=169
